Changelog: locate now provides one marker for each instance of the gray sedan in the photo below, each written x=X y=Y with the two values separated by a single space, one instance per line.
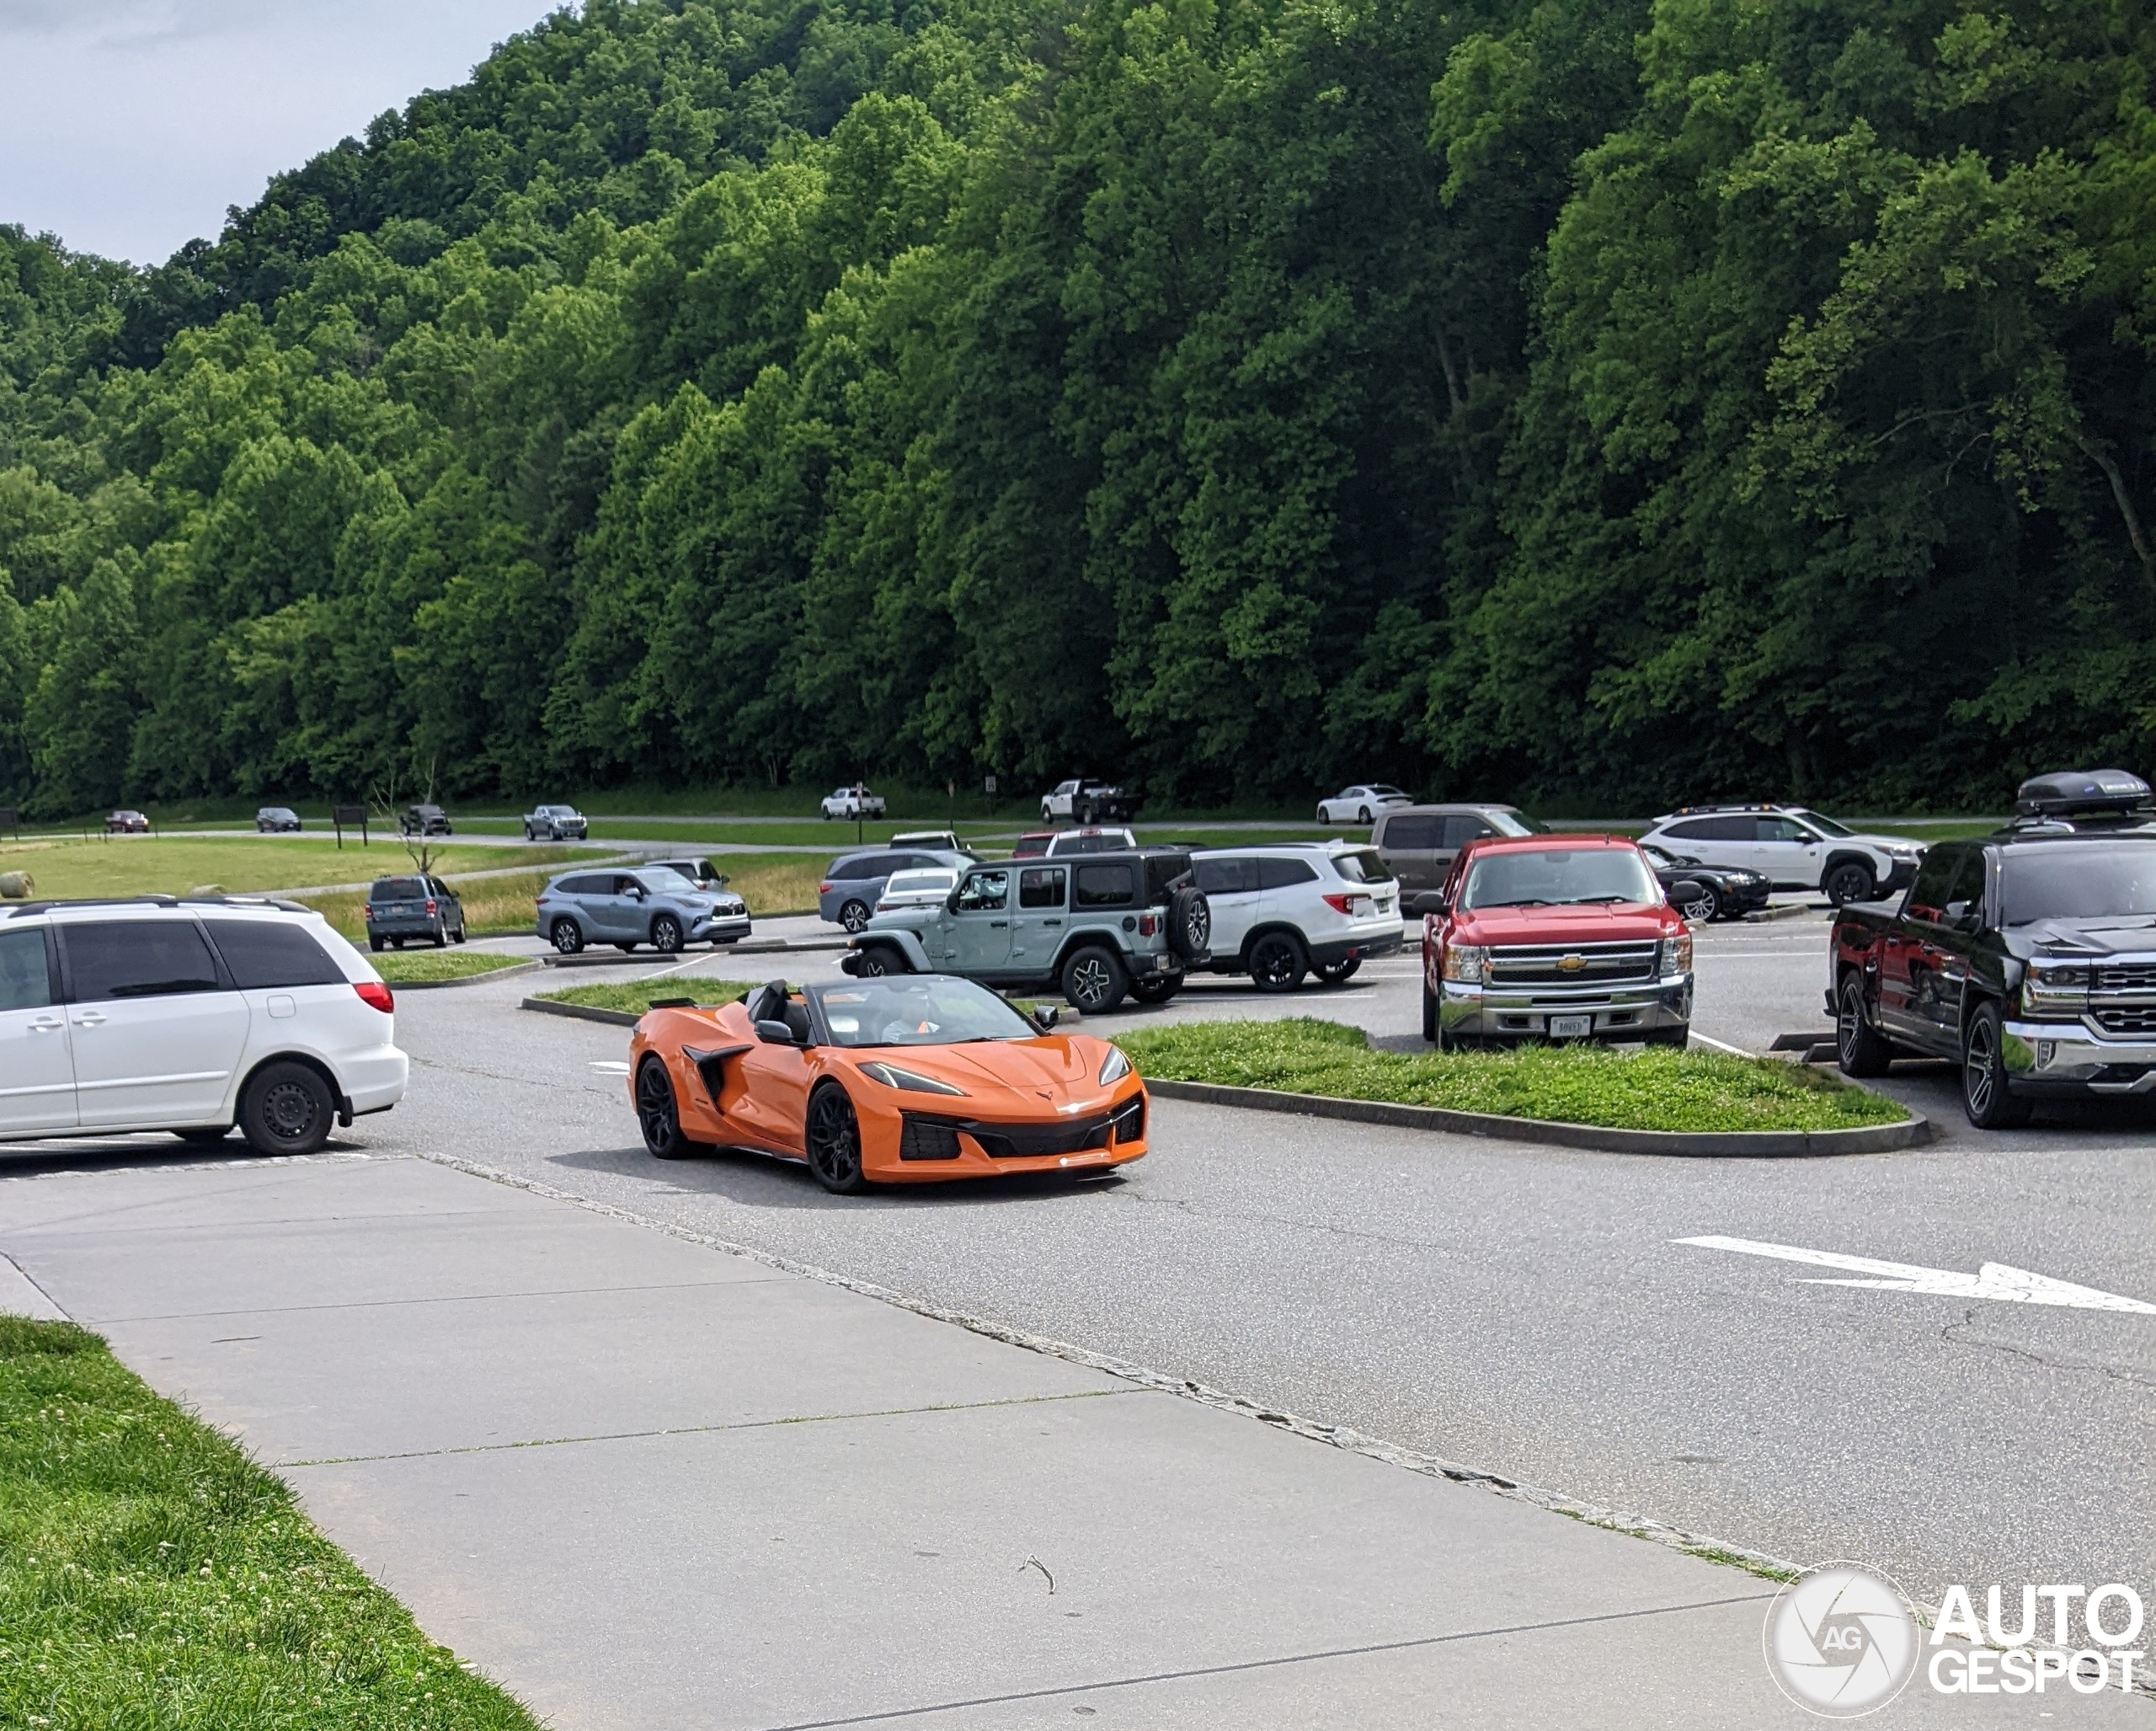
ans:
x=625 y=909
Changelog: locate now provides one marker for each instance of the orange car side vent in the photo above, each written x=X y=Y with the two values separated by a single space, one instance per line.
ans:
x=711 y=1066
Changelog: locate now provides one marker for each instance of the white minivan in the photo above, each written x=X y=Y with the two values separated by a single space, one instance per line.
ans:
x=194 y=1016
x=1281 y=913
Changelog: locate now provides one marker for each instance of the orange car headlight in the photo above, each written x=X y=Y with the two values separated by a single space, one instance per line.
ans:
x=1114 y=1067
x=911 y=1082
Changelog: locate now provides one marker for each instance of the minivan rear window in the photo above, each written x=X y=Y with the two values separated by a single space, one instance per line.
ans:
x=266 y=952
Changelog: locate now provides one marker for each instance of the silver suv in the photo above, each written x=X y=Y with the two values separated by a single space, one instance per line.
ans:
x=1097 y=929
x=1794 y=848
x=655 y=905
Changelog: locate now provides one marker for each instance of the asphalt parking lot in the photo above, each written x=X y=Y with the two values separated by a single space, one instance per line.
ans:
x=1523 y=1310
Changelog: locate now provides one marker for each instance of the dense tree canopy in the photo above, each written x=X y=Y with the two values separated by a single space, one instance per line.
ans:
x=1610 y=399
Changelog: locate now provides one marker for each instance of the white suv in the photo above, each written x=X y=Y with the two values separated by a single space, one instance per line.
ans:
x=1795 y=848
x=1282 y=913
x=156 y=1014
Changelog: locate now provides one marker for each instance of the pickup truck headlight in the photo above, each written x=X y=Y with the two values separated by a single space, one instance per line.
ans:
x=1465 y=964
x=1676 y=953
x=2057 y=990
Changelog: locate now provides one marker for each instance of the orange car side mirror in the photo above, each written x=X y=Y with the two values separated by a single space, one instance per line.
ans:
x=774 y=1034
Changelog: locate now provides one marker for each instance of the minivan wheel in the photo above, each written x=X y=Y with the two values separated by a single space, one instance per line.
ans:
x=567 y=936
x=666 y=935
x=1093 y=981
x=1848 y=882
x=287 y=1110
x=854 y=916
x=1277 y=962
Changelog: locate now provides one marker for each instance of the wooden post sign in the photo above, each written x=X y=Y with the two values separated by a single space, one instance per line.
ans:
x=346 y=817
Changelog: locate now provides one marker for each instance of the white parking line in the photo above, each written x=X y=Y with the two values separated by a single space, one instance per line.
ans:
x=1721 y=1046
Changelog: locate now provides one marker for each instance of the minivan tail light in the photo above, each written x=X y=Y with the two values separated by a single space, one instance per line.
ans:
x=374 y=992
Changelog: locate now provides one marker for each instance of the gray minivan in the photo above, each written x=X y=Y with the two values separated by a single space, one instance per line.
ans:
x=848 y=894
x=1417 y=842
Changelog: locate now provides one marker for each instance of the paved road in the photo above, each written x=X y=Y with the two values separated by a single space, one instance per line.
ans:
x=1521 y=1309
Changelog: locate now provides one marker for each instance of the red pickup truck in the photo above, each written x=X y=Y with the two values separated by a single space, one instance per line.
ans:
x=1556 y=938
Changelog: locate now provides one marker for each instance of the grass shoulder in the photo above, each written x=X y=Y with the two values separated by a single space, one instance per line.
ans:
x=635 y=997
x=151 y=1574
x=410 y=967
x=1646 y=1089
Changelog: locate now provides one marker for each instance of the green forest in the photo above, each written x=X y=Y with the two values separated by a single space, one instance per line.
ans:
x=1541 y=398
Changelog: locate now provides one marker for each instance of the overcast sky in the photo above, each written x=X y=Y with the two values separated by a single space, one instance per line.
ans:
x=127 y=126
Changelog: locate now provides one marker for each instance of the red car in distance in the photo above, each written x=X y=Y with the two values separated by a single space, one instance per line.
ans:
x=1556 y=938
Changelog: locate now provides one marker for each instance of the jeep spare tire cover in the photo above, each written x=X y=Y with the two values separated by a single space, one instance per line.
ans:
x=1190 y=923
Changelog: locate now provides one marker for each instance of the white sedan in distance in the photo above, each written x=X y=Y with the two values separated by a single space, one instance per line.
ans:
x=1359 y=805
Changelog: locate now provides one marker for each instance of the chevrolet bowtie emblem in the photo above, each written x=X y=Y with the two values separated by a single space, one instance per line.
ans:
x=1571 y=963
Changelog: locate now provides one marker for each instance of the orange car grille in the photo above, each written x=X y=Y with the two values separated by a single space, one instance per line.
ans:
x=931 y=1136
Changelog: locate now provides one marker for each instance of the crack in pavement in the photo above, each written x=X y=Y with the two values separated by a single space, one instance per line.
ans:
x=2118 y=1373
x=555 y=1442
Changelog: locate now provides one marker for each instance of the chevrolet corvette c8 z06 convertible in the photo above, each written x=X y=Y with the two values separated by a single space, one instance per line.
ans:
x=895 y=1079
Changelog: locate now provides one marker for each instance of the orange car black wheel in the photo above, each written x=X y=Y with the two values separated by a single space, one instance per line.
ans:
x=833 y=1141
x=657 y=1115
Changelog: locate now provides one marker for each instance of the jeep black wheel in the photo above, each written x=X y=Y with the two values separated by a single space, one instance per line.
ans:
x=1849 y=881
x=1154 y=992
x=567 y=936
x=833 y=1141
x=1093 y=981
x=1277 y=962
x=854 y=916
x=666 y=935
x=1984 y=1094
x=1335 y=973
x=1859 y=1047
x=878 y=959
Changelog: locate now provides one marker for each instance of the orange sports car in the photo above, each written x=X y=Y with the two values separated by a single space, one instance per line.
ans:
x=899 y=1079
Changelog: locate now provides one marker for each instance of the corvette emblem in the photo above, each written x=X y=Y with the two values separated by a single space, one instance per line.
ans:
x=1571 y=964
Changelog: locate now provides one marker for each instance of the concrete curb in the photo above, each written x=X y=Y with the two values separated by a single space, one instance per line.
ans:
x=1786 y=911
x=582 y=1012
x=1867 y=1138
x=464 y=980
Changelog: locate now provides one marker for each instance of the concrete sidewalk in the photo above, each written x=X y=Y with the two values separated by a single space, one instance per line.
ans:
x=645 y=1483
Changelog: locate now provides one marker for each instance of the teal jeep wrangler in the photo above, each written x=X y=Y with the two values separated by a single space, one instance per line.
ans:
x=1094 y=928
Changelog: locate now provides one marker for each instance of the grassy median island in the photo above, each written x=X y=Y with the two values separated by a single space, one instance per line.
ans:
x=635 y=997
x=1630 y=1088
x=401 y=967
x=152 y=1575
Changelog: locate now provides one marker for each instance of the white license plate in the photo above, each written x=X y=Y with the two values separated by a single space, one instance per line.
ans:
x=1571 y=1027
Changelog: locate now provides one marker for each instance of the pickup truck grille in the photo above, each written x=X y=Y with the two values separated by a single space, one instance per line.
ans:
x=1589 y=964
x=2141 y=1020
x=2127 y=976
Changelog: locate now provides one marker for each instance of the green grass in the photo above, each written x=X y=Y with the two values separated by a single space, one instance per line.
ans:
x=174 y=865
x=399 y=966
x=635 y=997
x=1648 y=1089
x=152 y=1575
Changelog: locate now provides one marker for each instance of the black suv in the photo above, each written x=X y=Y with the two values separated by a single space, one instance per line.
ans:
x=2027 y=957
x=423 y=820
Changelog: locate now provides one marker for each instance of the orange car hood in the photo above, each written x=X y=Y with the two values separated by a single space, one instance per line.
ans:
x=1057 y=1070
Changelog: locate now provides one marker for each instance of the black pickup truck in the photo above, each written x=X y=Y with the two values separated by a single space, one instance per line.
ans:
x=2027 y=957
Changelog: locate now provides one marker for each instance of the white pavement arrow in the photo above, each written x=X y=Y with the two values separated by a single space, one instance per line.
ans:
x=1994 y=1280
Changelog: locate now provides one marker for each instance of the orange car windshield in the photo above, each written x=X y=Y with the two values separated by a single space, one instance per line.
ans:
x=917 y=1010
